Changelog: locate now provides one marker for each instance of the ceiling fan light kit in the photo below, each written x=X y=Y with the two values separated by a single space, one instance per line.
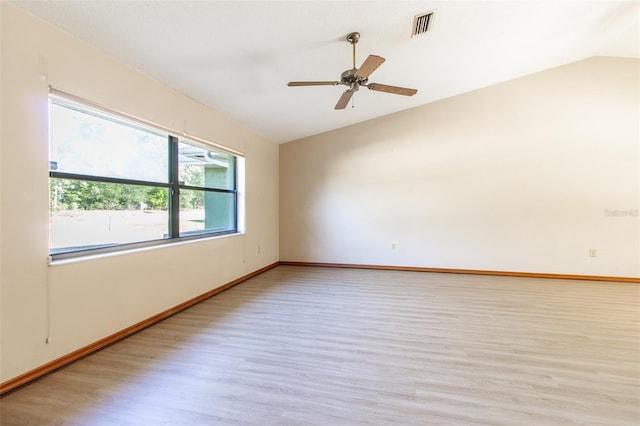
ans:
x=356 y=77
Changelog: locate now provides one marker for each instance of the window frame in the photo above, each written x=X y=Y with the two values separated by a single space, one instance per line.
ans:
x=173 y=184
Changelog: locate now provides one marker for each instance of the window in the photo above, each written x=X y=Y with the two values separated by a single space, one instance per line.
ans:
x=118 y=183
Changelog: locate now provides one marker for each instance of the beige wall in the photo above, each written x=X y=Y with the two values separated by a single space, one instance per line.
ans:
x=514 y=177
x=92 y=298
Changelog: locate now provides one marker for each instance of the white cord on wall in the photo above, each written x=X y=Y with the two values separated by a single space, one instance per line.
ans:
x=47 y=339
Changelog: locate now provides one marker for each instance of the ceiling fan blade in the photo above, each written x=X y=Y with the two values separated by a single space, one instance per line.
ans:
x=344 y=99
x=369 y=65
x=392 y=89
x=312 y=83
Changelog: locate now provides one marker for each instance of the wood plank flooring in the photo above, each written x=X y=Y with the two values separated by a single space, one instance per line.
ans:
x=322 y=346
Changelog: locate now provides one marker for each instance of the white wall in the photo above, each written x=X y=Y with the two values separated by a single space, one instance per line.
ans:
x=90 y=299
x=513 y=177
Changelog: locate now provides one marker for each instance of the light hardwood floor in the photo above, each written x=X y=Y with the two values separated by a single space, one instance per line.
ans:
x=322 y=346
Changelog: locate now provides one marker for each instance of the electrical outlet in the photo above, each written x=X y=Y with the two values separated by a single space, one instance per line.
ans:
x=593 y=253
x=258 y=249
x=393 y=246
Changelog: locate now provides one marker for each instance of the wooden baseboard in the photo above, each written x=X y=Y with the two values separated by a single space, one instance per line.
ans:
x=466 y=271
x=51 y=366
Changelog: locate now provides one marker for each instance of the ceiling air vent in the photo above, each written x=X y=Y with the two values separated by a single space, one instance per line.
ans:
x=422 y=23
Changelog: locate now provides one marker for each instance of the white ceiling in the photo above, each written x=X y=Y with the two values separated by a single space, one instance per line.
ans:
x=237 y=56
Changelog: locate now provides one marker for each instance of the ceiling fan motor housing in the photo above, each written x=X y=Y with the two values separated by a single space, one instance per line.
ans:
x=349 y=78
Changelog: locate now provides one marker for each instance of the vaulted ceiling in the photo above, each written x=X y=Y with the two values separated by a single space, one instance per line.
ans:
x=237 y=56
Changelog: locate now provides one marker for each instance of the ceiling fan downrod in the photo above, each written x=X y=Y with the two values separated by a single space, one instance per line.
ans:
x=353 y=38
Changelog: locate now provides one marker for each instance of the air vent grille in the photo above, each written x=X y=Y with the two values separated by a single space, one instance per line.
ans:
x=422 y=23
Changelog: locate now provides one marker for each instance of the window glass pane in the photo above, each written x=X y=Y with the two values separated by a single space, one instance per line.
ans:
x=204 y=211
x=84 y=143
x=200 y=165
x=110 y=182
x=86 y=215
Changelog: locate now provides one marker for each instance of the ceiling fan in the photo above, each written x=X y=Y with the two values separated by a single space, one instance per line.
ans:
x=356 y=77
